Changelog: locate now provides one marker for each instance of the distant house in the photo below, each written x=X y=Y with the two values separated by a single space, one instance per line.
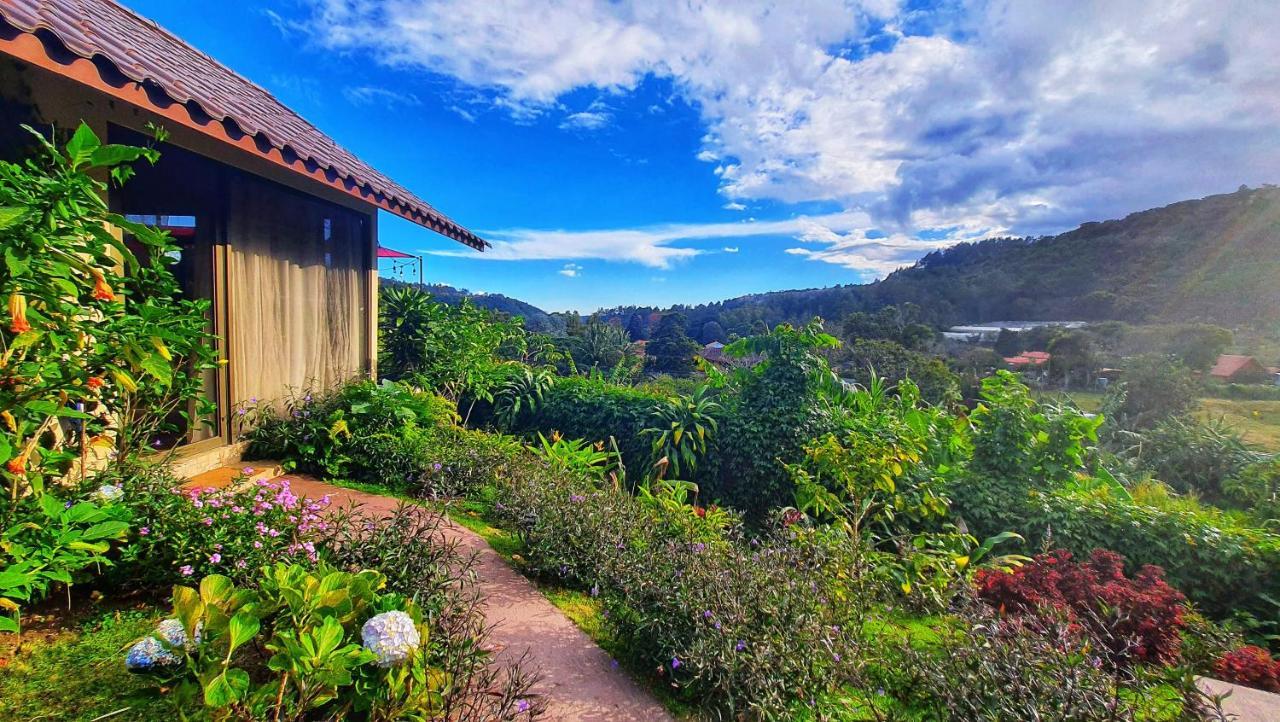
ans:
x=276 y=224
x=714 y=353
x=1240 y=369
x=1028 y=360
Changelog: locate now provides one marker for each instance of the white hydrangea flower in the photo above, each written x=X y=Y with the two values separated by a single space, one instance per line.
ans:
x=392 y=636
x=109 y=492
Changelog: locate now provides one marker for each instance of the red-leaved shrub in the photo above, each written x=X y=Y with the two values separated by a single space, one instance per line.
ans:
x=1250 y=666
x=1138 y=618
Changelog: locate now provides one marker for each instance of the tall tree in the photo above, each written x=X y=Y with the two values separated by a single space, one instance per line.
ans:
x=638 y=327
x=671 y=348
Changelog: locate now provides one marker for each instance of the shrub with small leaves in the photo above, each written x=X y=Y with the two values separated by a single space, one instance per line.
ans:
x=1250 y=666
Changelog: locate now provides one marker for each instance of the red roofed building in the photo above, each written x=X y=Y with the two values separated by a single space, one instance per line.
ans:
x=1028 y=359
x=1239 y=369
x=276 y=222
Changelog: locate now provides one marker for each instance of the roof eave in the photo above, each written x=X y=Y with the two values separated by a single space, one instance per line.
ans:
x=42 y=48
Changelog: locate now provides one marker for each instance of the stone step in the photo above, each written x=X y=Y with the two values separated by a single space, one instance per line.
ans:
x=247 y=472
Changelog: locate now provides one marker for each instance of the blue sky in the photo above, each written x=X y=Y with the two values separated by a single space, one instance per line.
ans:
x=664 y=152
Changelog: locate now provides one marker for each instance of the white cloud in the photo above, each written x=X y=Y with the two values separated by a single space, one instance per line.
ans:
x=369 y=95
x=572 y=270
x=1002 y=114
x=734 y=206
x=837 y=238
x=585 y=120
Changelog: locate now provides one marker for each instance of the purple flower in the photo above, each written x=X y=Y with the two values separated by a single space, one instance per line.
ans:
x=437 y=467
x=577 y=498
x=676 y=663
x=522 y=705
x=247 y=470
x=144 y=531
x=595 y=590
x=186 y=570
x=706 y=614
x=741 y=645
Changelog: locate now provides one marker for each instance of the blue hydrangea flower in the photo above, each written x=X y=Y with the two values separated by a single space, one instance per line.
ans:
x=109 y=493
x=171 y=631
x=150 y=655
x=391 y=636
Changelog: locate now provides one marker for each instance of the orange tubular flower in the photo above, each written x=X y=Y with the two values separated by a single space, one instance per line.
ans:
x=101 y=290
x=18 y=313
x=94 y=383
x=17 y=465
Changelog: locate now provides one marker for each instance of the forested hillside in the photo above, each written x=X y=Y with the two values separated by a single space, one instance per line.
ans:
x=535 y=319
x=1216 y=259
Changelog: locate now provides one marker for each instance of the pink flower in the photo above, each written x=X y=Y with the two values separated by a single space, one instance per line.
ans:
x=208 y=521
x=272 y=533
x=241 y=564
x=144 y=531
x=257 y=544
x=186 y=570
x=215 y=558
x=197 y=503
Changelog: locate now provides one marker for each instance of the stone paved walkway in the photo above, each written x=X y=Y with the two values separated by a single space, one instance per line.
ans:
x=579 y=680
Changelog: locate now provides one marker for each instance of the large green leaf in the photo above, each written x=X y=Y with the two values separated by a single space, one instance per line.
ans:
x=243 y=627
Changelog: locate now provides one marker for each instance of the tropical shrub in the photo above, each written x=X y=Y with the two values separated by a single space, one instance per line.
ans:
x=1154 y=388
x=1190 y=455
x=55 y=543
x=1250 y=666
x=594 y=410
x=234 y=531
x=681 y=430
x=1221 y=566
x=771 y=411
x=1139 y=618
x=892 y=362
x=362 y=431
x=1018 y=445
x=72 y=348
x=1256 y=488
x=448 y=349
x=307 y=645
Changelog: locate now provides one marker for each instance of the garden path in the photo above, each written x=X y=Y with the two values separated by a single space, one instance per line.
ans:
x=579 y=680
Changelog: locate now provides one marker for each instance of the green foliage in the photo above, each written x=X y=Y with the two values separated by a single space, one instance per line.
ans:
x=771 y=411
x=69 y=337
x=522 y=392
x=293 y=650
x=1190 y=455
x=1219 y=565
x=361 y=431
x=1153 y=388
x=671 y=348
x=575 y=457
x=1256 y=488
x=898 y=324
x=682 y=428
x=1073 y=358
x=892 y=362
x=595 y=410
x=1199 y=345
x=740 y=629
x=1018 y=445
x=450 y=349
x=599 y=346
x=52 y=544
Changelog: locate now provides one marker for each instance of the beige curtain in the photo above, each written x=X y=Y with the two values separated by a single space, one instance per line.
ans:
x=297 y=296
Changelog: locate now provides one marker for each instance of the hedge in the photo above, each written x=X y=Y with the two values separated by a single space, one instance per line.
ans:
x=1218 y=566
x=583 y=408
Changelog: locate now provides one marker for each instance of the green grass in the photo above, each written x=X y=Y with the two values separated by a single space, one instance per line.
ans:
x=80 y=675
x=1257 y=421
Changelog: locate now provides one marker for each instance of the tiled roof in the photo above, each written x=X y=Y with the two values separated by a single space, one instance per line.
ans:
x=1229 y=365
x=145 y=54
